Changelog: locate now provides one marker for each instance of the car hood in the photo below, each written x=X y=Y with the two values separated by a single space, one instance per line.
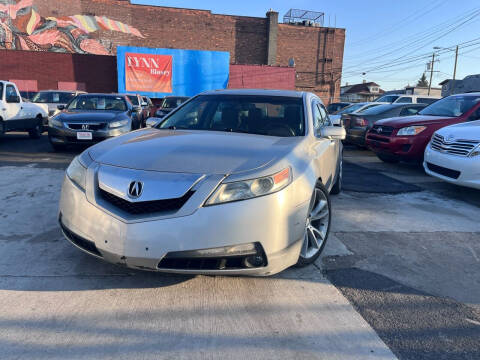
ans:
x=464 y=131
x=402 y=121
x=82 y=116
x=189 y=151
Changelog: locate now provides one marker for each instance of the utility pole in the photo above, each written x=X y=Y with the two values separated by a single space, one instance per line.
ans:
x=431 y=73
x=454 y=71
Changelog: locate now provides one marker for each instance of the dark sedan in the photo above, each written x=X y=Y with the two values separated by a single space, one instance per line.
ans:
x=357 y=125
x=90 y=118
x=168 y=104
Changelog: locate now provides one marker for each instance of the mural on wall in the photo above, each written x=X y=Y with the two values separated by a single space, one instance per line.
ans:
x=23 y=28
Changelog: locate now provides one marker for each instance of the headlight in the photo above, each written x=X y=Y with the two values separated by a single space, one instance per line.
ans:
x=117 y=124
x=55 y=122
x=77 y=173
x=475 y=152
x=247 y=189
x=411 y=130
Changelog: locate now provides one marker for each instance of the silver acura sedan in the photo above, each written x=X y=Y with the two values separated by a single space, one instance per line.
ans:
x=231 y=182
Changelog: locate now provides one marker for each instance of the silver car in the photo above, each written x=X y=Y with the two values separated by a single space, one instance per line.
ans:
x=230 y=182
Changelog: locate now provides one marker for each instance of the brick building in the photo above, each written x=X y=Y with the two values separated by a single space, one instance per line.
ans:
x=98 y=26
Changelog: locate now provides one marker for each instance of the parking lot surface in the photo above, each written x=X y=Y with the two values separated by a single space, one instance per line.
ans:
x=398 y=279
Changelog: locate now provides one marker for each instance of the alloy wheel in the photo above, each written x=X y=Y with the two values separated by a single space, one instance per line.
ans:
x=316 y=226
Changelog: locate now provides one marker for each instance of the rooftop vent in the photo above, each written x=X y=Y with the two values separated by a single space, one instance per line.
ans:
x=304 y=17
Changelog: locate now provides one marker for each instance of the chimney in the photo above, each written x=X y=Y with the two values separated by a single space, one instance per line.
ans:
x=272 y=30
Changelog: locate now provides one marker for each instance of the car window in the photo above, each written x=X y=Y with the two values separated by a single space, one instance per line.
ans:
x=387 y=98
x=409 y=110
x=451 y=106
x=324 y=115
x=427 y=101
x=95 y=102
x=317 y=116
x=10 y=91
x=1 y=90
x=404 y=100
x=262 y=115
x=366 y=107
x=42 y=97
x=134 y=99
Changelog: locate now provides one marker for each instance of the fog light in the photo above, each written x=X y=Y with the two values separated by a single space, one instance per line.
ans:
x=254 y=261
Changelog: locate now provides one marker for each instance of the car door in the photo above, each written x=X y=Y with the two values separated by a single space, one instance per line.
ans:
x=13 y=108
x=326 y=149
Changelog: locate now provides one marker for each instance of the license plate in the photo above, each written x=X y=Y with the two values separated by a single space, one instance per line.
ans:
x=84 y=135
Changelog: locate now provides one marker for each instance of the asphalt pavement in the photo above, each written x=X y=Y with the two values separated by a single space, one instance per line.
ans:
x=403 y=258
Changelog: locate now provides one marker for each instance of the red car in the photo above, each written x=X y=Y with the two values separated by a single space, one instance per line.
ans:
x=405 y=138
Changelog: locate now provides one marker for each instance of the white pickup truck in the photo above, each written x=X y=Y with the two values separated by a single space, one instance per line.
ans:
x=18 y=115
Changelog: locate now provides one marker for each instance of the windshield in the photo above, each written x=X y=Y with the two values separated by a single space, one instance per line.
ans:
x=387 y=98
x=169 y=103
x=93 y=102
x=451 y=106
x=263 y=115
x=376 y=110
x=134 y=99
x=53 y=97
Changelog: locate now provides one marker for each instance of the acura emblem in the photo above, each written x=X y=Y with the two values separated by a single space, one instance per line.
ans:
x=135 y=189
x=85 y=127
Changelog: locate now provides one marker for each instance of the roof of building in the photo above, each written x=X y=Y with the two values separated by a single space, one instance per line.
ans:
x=361 y=88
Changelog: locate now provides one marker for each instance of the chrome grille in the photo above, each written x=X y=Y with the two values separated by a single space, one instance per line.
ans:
x=86 y=126
x=456 y=147
x=382 y=130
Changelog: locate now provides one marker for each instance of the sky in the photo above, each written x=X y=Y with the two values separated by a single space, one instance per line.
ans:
x=388 y=42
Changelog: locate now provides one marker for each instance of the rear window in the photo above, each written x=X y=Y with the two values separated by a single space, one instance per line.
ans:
x=404 y=100
x=262 y=115
x=169 y=103
x=387 y=98
x=376 y=110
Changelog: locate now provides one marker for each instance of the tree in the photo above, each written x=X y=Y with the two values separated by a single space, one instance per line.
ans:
x=423 y=82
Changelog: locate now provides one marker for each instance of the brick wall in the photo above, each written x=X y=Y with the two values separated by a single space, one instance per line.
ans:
x=99 y=73
x=261 y=77
x=318 y=52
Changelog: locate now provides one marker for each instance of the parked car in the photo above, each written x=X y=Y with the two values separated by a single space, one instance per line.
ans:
x=17 y=114
x=348 y=111
x=53 y=98
x=141 y=111
x=90 y=118
x=27 y=95
x=149 y=107
x=334 y=107
x=407 y=99
x=405 y=138
x=168 y=104
x=232 y=182
x=360 y=123
x=336 y=118
x=453 y=154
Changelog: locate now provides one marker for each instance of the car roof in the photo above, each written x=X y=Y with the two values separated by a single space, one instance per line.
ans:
x=467 y=94
x=257 y=92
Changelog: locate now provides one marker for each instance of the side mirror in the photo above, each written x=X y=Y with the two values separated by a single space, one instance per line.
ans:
x=137 y=108
x=151 y=122
x=13 y=99
x=61 y=107
x=336 y=120
x=333 y=132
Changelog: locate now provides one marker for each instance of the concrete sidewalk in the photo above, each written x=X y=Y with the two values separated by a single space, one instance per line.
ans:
x=59 y=303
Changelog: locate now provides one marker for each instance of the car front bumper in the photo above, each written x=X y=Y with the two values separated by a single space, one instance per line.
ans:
x=405 y=148
x=275 y=221
x=356 y=135
x=469 y=168
x=66 y=136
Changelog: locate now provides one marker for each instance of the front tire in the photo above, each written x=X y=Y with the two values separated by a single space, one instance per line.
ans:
x=2 y=128
x=317 y=226
x=37 y=131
